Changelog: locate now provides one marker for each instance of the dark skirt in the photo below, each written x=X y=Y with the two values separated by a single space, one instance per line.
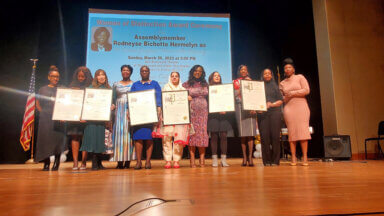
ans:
x=94 y=138
x=219 y=123
x=75 y=129
x=50 y=137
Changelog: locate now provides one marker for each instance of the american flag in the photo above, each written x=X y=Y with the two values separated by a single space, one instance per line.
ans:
x=29 y=115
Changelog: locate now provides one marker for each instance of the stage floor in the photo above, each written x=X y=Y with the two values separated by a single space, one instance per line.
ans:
x=322 y=188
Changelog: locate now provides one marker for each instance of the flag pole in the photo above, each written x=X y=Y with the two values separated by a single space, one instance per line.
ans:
x=31 y=160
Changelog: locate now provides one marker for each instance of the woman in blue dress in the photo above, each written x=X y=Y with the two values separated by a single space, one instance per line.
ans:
x=143 y=133
x=122 y=145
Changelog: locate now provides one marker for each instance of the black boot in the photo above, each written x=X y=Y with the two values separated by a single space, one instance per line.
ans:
x=47 y=162
x=94 y=162
x=56 y=164
x=127 y=164
x=120 y=165
x=99 y=164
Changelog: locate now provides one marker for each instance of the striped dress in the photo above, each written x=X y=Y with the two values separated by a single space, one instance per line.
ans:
x=246 y=122
x=123 y=149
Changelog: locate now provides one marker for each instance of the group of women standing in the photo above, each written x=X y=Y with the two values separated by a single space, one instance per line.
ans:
x=128 y=142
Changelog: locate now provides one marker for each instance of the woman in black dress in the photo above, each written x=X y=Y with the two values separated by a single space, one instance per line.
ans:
x=218 y=126
x=81 y=79
x=50 y=139
x=270 y=121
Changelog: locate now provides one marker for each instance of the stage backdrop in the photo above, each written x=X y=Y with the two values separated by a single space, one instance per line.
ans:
x=165 y=42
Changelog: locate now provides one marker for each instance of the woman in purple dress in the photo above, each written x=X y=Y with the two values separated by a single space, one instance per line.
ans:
x=198 y=92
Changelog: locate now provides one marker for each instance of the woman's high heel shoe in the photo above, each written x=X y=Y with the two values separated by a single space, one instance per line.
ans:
x=47 y=162
x=176 y=165
x=148 y=165
x=120 y=165
x=127 y=164
x=244 y=163
x=293 y=162
x=56 y=164
x=202 y=163
x=167 y=165
x=138 y=166
x=250 y=162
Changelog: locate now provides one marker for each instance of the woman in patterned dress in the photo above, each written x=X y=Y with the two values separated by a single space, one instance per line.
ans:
x=294 y=88
x=198 y=92
x=122 y=145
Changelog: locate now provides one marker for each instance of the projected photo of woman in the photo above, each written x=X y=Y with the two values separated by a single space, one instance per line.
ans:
x=101 y=40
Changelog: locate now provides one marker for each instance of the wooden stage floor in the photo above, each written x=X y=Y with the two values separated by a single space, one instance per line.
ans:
x=322 y=188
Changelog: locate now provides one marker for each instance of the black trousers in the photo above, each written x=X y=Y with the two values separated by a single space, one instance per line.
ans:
x=269 y=127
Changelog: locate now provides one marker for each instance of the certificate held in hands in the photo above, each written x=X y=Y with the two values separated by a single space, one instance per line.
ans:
x=175 y=107
x=68 y=104
x=142 y=107
x=253 y=95
x=221 y=98
x=97 y=104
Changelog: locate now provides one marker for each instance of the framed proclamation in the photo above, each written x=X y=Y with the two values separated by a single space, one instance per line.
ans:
x=175 y=107
x=68 y=104
x=221 y=98
x=142 y=107
x=97 y=104
x=253 y=95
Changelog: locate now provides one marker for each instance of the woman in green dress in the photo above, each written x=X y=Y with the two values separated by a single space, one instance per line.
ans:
x=94 y=132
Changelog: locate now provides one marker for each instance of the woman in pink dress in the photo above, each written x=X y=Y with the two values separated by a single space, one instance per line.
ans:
x=198 y=92
x=294 y=88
